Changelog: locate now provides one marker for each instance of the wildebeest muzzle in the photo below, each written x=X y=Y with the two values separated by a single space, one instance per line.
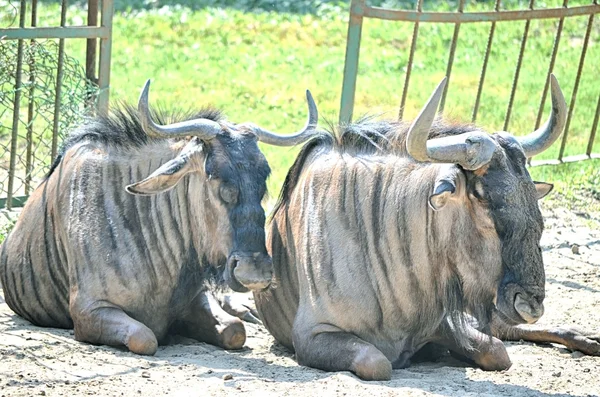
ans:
x=248 y=271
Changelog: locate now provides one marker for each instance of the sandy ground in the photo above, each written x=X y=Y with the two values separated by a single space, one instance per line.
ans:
x=45 y=361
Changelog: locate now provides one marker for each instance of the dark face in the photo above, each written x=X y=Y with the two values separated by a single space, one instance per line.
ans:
x=238 y=172
x=512 y=201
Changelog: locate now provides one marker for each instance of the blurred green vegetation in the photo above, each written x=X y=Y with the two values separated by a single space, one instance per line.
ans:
x=254 y=59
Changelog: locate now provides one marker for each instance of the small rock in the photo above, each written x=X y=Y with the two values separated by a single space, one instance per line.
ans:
x=577 y=354
x=586 y=370
x=145 y=374
x=227 y=377
x=575 y=249
x=42 y=393
x=210 y=371
x=556 y=374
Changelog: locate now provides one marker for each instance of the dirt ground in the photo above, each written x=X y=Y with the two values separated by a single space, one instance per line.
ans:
x=45 y=361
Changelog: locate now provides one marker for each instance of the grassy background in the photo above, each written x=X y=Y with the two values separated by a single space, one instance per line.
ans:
x=254 y=59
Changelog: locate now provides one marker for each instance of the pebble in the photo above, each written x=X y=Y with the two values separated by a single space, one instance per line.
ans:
x=575 y=249
x=145 y=374
x=556 y=374
x=577 y=354
x=227 y=377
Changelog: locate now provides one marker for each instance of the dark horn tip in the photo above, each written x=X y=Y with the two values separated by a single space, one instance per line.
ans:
x=144 y=95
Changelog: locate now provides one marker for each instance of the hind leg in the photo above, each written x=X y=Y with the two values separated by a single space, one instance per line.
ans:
x=206 y=321
x=105 y=324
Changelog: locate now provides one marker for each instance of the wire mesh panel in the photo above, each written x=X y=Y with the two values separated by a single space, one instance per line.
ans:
x=44 y=90
x=360 y=10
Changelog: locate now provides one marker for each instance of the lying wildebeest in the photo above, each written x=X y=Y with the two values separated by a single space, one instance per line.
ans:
x=389 y=236
x=130 y=267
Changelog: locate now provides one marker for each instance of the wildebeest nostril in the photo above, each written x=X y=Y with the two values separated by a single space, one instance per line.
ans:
x=234 y=263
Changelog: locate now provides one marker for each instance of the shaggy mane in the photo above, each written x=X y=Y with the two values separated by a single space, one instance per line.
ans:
x=123 y=128
x=364 y=137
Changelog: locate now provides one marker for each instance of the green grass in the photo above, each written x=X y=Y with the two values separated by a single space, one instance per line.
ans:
x=254 y=59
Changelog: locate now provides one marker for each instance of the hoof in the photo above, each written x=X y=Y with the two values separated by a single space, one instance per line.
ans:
x=494 y=358
x=232 y=336
x=371 y=364
x=143 y=341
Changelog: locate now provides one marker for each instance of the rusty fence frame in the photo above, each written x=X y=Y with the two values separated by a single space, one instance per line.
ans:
x=359 y=9
x=92 y=32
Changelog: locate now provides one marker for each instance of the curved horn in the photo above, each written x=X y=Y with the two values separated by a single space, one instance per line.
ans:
x=543 y=137
x=471 y=150
x=290 y=140
x=203 y=128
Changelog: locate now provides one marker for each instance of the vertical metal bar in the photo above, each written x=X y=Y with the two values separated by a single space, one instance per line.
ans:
x=16 y=111
x=31 y=107
x=413 y=47
x=576 y=87
x=105 y=53
x=59 y=77
x=594 y=128
x=91 y=52
x=518 y=70
x=486 y=58
x=351 y=62
x=461 y=5
x=559 y=29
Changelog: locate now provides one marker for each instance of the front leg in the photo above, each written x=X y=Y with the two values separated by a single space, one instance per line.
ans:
x=573 y=339
x=206 y=321
x=487 y=352
x=328 y=348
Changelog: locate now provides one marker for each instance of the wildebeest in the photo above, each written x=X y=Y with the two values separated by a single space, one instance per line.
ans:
x=126 y=262
x=389 y=236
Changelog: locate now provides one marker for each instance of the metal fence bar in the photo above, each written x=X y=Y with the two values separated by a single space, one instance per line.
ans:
x=576 y=87
x=70 y=32
x=91 y=51
x=351 y=62
x=590 y=146
x=513 y=90
x=16 y=111
x=471 y=17
x=486 y=58
x=360 y=9
x=411 y=57
x=31 y=106
x=105 y=54
x=568 y=159
x=559 y=29
x=62 y=32
x=461 y=5
x=59 y=78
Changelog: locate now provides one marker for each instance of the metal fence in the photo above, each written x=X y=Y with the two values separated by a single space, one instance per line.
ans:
x=26 y=63
x=359 y=10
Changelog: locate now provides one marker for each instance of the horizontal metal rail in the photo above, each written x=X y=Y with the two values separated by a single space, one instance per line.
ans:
x=470 y=17
x=71 y=32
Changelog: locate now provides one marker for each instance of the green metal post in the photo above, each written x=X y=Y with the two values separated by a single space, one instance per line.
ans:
x=105 y=53
x=351 y=62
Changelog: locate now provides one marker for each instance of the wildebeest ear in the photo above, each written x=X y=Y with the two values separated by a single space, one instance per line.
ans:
x=445 y=187
x=168 y=174
x=543 y=189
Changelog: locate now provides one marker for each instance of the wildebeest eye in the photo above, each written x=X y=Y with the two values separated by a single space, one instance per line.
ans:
x=228 y=193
